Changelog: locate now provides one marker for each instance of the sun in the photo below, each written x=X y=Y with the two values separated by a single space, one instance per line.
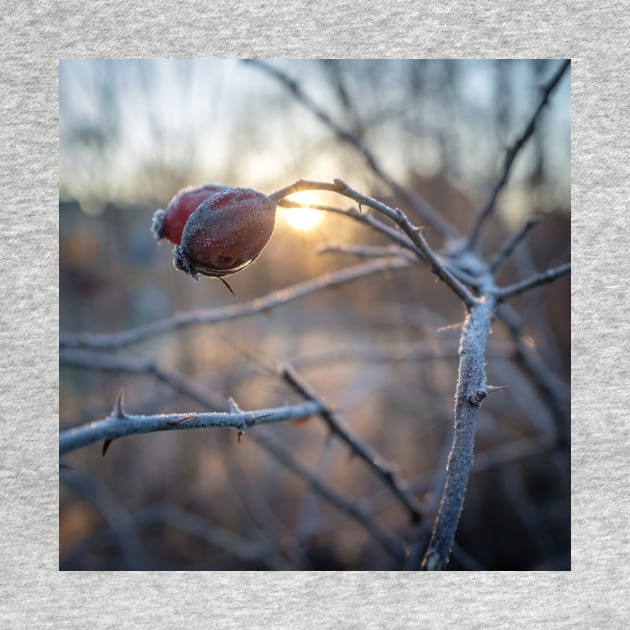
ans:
x=303 y=219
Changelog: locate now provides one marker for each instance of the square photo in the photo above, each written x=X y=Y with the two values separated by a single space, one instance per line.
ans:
x=314 y=314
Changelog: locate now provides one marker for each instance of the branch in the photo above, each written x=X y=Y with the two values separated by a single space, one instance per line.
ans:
x=424 y=210
x=511 y=155
x=392 y=543
x=508 y=247
x=361 y=217
x=397 y=216
x=544 y=277
x=553 y=391
x=364 y=251
x=246 y=309
x=471 y=390
x=375 y=461
x=119 y=424
x=184 y=386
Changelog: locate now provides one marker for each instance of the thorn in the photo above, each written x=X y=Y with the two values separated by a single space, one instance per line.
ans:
x=118 y=411
x=239 y=436
x=106 y=444
x=449 y=328
x=229 y=288
x=496 y=388
x=234 y=408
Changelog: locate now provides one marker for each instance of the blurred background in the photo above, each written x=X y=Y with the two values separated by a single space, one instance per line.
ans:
x=379 y=350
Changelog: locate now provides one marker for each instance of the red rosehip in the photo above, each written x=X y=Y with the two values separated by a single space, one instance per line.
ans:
x=170 y=223
x=226 y=233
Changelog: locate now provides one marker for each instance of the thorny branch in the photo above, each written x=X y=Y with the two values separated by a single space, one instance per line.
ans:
x=119 y=423
x=380 y=466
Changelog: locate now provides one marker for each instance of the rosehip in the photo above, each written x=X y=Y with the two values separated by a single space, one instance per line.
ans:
x=226 y=233
x=170 y=223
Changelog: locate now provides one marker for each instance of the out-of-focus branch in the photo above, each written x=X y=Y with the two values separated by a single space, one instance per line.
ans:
x=508 y=247
x=133 y=365
x=364 y=251
x=421 y=207
x=553 y=391
x=224 y=540
x=375 y=461
x=246 y=309
x=511 y=155
x=119 y=424
x=392 y=543
x=544 y=277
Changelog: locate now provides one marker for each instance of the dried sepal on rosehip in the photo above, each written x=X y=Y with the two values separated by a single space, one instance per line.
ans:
x=226 y=233
x=170 y=223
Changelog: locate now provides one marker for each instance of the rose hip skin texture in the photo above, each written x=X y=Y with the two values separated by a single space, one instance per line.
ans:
x=170 y=223
x=226 y=233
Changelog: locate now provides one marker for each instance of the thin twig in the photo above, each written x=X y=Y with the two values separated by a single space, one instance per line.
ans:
x=222 y=314
x=119 y=424
x=511 y=155
x=544 y=277
x=375 y=461
x=423 y=209
x=508 y=247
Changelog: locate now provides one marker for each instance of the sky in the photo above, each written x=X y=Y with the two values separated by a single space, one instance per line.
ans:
x=134 y=131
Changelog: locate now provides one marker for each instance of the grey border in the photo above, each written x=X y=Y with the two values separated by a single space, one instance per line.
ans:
x=35 y=35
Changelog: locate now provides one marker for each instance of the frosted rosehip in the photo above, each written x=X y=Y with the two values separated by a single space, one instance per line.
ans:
x=226 y=233
x=170 y=223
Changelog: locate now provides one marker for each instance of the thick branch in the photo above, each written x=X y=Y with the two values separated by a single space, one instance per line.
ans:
x=511 y=155
x=120 y=424
x=247 y=309
x=471 y=390
x=422 y=208
x=544 y=277
x=375 y=461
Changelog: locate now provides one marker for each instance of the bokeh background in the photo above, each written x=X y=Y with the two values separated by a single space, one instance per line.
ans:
x=380 y=350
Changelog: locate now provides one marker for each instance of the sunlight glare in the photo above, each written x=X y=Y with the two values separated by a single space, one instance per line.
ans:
x=303 y=219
